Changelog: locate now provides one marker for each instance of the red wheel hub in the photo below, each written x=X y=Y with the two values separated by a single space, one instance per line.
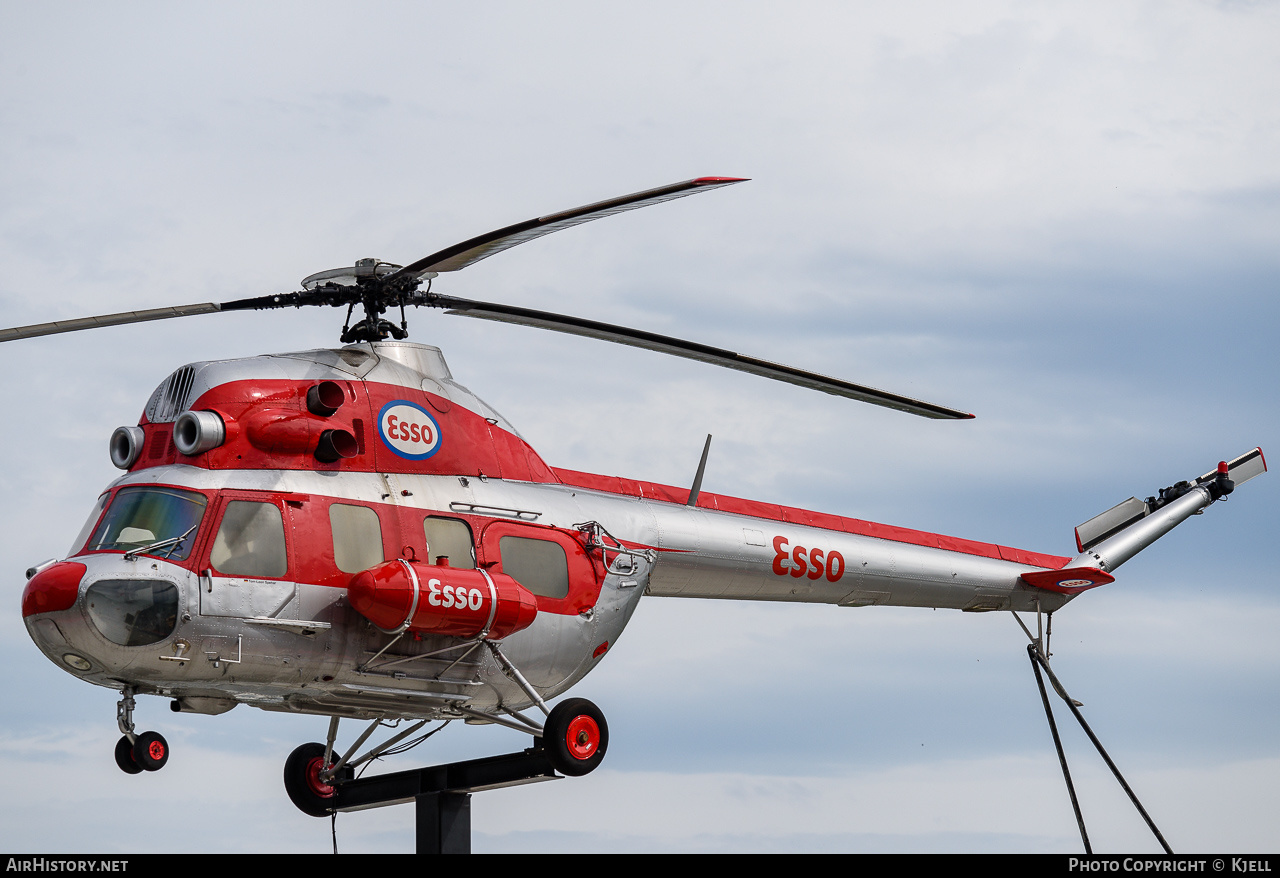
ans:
x=156 y=750
x=316 y=785
x=582 y=737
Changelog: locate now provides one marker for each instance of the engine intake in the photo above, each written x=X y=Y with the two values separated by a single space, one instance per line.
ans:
x=197 y=432
x=126 y=446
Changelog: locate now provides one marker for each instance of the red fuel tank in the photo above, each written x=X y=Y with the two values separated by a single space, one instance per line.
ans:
x=442 y=600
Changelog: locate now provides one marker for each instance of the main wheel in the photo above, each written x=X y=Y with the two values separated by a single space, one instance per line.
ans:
x=575 y=737
x=124 y=756
x=302 y=781
x=150 y=751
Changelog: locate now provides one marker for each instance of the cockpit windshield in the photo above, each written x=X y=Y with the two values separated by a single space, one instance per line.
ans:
x=142 y=517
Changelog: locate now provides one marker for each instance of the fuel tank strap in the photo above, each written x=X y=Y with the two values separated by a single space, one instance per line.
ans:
x=493 y=602
x=413 y=605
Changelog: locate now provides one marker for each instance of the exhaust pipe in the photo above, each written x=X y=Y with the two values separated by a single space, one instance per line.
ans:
x=325 y=398
x=336 y=444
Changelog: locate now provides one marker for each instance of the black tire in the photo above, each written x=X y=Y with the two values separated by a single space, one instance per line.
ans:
x=124 y=756
x=302 y=781
x=575 y=737
x=151 y=751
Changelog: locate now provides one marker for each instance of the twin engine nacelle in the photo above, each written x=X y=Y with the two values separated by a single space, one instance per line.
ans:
x=272 y=430
x=429 y=599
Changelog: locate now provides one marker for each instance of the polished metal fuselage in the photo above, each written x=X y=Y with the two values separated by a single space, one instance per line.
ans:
x=299 y=646
x=236 y=638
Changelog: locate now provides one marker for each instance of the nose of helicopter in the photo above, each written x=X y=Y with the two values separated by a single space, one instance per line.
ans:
x=50 y=593
x=97 y=611
x=53 y=588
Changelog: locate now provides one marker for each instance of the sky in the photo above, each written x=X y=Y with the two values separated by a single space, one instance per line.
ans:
x=1060 y=217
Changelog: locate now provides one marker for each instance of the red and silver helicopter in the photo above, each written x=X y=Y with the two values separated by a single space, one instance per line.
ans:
x=351 y=533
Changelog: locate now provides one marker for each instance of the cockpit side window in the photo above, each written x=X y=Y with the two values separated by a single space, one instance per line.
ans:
x=81 y=537
x=250 y=541
x=140 y=518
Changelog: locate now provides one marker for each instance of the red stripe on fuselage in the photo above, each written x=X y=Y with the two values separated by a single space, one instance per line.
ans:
x=789 y=515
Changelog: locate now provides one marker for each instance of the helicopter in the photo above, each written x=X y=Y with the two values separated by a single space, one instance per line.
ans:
x=351 y=533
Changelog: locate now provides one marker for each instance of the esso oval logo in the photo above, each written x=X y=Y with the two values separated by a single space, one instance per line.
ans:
x=409 y=430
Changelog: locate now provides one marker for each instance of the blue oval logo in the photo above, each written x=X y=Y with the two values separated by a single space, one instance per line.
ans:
x=409 y=430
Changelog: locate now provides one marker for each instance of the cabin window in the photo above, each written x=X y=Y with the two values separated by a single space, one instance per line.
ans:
x=250 y=541
x=161 y=520
x=450 y=537
x=133 y=612
x=538 y=565
x=357 y=537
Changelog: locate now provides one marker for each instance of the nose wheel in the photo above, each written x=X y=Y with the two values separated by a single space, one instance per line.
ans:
x=136 y=753
x=146 y=752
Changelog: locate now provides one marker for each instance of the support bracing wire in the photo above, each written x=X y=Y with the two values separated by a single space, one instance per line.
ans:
x=1038 y=661
x=1057 y=743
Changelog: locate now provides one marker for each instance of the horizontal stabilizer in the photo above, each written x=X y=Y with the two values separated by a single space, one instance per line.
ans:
x=1069 y=580
x=1243 y=468
x=1111 y=522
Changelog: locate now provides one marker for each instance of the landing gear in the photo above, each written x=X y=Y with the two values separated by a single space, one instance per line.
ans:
x=124 y=756
x=575 y=737
x=151 y=751
x=303 y=783
x=137 y=753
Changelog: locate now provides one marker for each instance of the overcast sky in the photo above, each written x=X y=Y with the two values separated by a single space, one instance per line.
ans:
x=1061 y=217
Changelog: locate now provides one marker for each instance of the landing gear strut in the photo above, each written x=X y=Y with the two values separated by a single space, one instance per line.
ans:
x=320 y=782
x=137 y=753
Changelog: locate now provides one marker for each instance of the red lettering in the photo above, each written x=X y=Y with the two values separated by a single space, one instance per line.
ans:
x=835 y=566
x=413 y=430
x=780 y=546
x=797 y=558
x=815 y=559
x=783 y=553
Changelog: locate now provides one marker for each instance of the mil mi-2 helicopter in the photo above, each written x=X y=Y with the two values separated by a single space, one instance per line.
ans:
x=351 y=533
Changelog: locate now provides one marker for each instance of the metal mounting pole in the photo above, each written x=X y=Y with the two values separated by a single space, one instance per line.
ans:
x=442 y=823
x=442 y=794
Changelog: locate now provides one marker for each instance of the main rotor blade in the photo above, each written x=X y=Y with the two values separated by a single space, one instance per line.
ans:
x=477 y=248
x=692 y=351
x=38 y=329
x=125 y=317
